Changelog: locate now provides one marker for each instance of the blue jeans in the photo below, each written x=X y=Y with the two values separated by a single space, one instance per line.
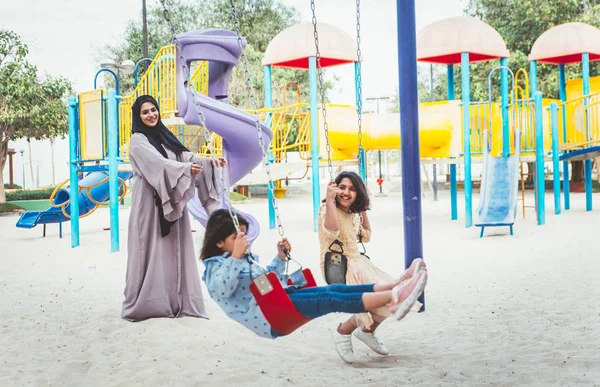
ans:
x=321 y=300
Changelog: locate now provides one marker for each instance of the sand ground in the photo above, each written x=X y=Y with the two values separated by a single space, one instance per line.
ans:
x=501 y=310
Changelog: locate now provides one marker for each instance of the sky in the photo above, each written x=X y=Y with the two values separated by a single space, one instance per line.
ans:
x=64 y=37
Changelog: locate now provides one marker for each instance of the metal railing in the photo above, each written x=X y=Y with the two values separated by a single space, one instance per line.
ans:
x=290 y=126
x=486 y=116
x=160 y=81
x=579 y=122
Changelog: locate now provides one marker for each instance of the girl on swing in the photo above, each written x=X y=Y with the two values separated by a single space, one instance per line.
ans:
x=343 y=223
x=227 y=278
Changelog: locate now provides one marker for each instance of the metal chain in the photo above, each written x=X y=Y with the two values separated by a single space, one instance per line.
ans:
x=201 y=117
x=187 y=81
x=261 y=140
x=322 y=89
x=361 y=161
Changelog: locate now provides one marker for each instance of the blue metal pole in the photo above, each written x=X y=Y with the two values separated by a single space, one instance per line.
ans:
x=113 y=172
x=362 y=166
x=555 y=162
x=108 y=71
x=466 y=106
x=268 y=85
x=74 y=181
x=539 y=158
x=533 y=78
x=362 y=157
x=505 y=102
x=135 y=71
x=314 y=138
x=588 y=184
x=585 y=70
x=453 y=190
x=532 y=91
x=563 y=97
x=409 y=132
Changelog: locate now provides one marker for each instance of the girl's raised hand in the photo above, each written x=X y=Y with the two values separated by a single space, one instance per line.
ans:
x=240 y=246
x=332 y=190
x=282 y=247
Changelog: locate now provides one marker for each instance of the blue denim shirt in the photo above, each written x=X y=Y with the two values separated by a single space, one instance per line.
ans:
x=228 y=281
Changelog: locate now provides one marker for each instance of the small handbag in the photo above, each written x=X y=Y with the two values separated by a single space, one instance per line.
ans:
x=336 y=264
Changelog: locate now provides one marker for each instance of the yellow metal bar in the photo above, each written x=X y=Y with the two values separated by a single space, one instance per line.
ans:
x=200 y=78
x=578 y=116
x=160 y=81
x=91 y=124
x=522 y=92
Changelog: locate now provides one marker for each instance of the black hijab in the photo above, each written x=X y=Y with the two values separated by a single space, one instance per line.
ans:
x=158 y=136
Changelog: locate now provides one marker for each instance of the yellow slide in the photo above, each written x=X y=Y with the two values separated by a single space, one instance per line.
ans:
x=439 y=131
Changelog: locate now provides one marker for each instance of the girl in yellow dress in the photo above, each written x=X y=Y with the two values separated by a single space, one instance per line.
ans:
x=343 y=218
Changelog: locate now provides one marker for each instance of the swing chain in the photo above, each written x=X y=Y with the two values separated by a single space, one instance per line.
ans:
x=201 y=118
x=261 y=140
x=322 y=89
x=359 y=89
x=186 y=71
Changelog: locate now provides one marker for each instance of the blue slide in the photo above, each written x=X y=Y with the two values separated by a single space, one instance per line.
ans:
x=100 y=193
x=499 y=189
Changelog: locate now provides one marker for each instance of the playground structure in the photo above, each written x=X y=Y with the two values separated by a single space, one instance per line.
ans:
x=100 y=127
x=502 y=135
x=522 y=126
x=217 y=49
x=99 y=121
x=489 y=128
x=93 y=193
x=97 y=158
x=573 y=119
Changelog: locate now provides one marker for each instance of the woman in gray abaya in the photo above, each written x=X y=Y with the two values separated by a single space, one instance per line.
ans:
x=162 y=277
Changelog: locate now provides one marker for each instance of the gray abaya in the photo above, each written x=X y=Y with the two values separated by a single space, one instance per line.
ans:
x=162 y=277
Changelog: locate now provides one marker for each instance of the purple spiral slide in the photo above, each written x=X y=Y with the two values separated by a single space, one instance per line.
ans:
x=237 y=128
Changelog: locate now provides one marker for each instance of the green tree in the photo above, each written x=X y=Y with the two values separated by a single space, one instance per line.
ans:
x=520 y=23
x=48 y=116
x=426 y=75
x=29 y=107
x=260 y=21
x=432 y=77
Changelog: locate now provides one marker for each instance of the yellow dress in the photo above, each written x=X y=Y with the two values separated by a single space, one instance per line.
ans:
x=360 y=269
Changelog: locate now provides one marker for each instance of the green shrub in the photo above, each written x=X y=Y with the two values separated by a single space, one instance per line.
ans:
x=44 y=194
x=9 y=207
x=15 y=186
x=236 y=197
x=37 y=194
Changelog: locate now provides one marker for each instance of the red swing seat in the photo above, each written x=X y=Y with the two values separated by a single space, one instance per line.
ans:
x=275 y=303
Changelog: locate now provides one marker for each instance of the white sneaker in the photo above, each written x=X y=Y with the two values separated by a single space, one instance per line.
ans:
x=343 y=345
x=371 y=341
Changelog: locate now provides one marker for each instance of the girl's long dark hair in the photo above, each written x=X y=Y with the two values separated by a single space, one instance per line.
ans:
x=218 y=228
x=362 y=202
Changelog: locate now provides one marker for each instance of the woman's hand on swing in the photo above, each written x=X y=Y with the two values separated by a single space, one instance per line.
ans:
x=219 y=162
x=240 y=245
x=196 y=169
x=283 y=246
x=331 y=222
x=332 y=191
